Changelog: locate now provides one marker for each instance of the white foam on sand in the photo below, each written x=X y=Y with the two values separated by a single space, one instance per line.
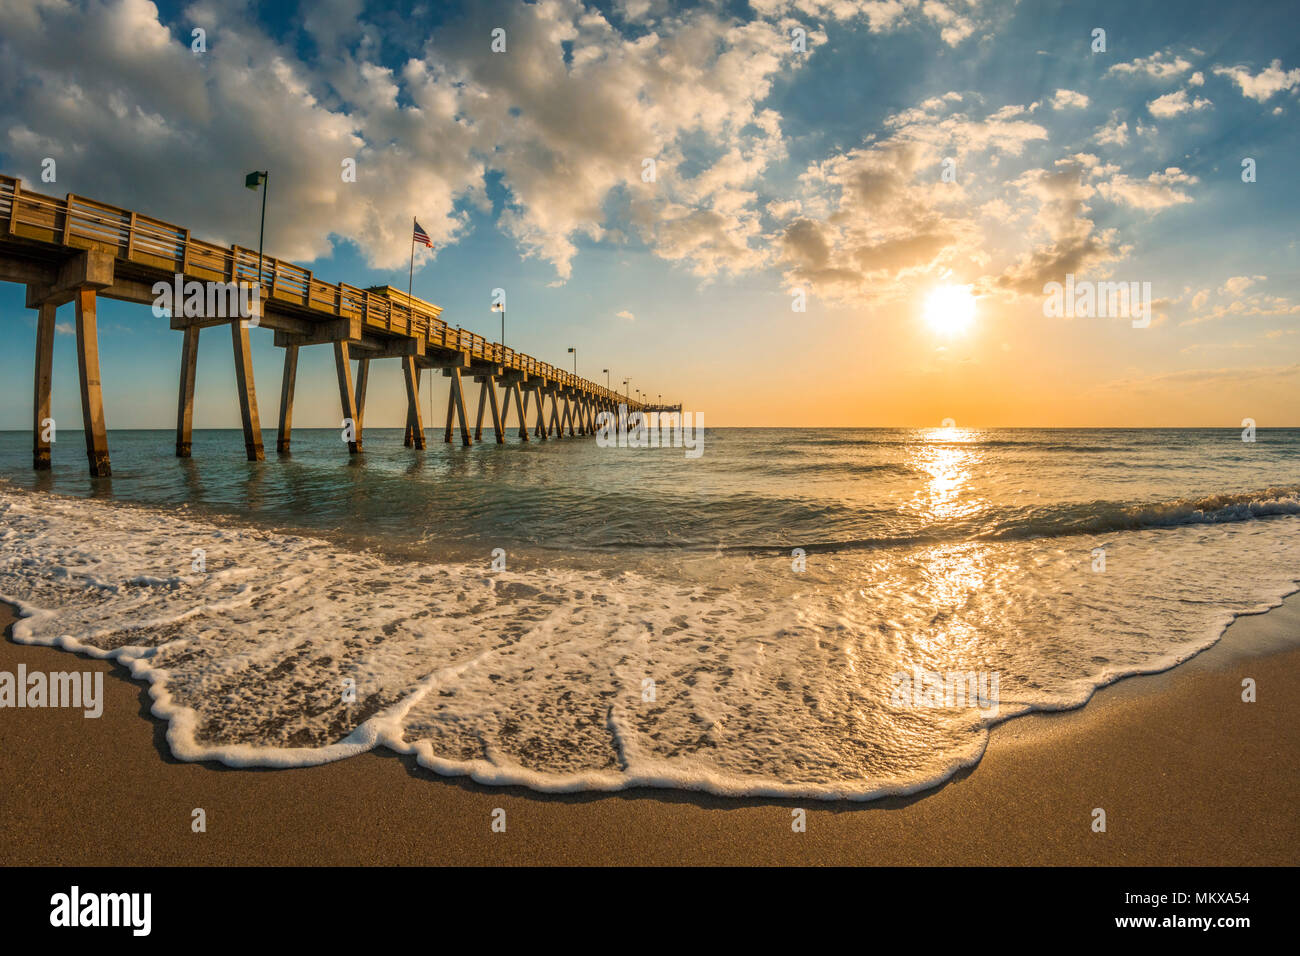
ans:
x=765 y=682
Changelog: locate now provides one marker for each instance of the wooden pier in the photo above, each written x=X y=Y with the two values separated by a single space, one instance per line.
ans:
x=78 y=250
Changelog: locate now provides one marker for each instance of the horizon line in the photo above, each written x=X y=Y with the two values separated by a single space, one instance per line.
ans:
x=331 y=428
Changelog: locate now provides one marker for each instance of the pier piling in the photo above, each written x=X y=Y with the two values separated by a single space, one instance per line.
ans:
x=414 y=437
x=92 y=391
x=288 y=382
x=247 y=393
x=185 y=401
x=347 y=399
x=44 y=379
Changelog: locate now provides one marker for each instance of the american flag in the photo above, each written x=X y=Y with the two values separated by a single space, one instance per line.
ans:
x=422 y=237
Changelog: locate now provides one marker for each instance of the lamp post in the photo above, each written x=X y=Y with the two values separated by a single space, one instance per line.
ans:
x=255 y=179
x=627 y=392
x=575 y=361
x=606 y=371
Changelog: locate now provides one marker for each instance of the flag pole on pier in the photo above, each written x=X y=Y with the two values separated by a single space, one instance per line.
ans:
x=410 y=278
x=410 y=284
x=422 y=237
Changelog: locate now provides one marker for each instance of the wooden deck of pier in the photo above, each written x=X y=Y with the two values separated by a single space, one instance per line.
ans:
x=76 y=250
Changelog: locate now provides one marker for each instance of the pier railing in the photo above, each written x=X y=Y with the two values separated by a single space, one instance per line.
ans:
x=156 y=245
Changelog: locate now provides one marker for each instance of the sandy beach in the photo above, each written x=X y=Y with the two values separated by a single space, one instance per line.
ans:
x=1187 y=773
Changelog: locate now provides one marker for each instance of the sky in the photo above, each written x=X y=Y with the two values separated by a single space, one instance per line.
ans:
x=847 y=156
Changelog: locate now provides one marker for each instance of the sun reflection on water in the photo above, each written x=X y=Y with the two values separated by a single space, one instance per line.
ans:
x=948 y=456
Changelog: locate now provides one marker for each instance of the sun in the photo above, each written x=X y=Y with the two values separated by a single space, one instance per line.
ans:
x=950 y=309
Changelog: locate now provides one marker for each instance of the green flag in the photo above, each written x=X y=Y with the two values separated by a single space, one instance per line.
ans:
x=254 y=179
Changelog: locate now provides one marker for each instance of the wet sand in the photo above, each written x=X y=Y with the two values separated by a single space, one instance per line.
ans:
x=1186 y=772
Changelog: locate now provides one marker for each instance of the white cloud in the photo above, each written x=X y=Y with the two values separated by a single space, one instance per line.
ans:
x=956 y=19
x=1264 y=84
x=1065 y=99
x=1238 y=284
x=879 y=217
x=1157 y=191
x=953 y=26
x=1172 y=104
x=784 y=209
x=1160 y=66
x=1115 y=133
x=1238 y=302
x=1066 y=239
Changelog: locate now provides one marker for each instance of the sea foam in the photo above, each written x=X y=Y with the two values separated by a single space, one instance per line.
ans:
x=731 y=675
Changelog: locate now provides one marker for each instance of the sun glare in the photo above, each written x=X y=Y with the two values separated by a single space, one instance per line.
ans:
x=950 y=309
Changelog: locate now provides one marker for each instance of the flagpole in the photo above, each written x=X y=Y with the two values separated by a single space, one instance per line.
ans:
x=410 y=285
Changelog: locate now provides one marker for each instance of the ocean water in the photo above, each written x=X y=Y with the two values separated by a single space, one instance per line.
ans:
x=794 y=613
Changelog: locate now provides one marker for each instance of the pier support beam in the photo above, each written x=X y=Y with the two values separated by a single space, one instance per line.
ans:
x=76 y=279
x=554 y=424
x=247 y=392
x=92 y=391
x=363 y=381
x=414 y=437
x=185 y=401
x=288 y=382
x=540 y=397
x=343 y=367
x=498 y=420
x=482 y=407
x=512 y=388
x=487 y=395
x=456 y=404
x=44 y=379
